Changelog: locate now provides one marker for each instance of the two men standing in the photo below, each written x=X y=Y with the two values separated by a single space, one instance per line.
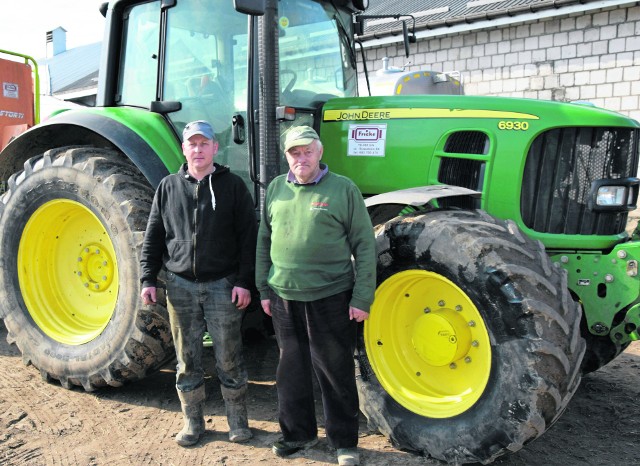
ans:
x=202 y=228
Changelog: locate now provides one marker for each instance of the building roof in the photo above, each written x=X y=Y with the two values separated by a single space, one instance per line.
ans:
x=443 y=14
x=71 y=69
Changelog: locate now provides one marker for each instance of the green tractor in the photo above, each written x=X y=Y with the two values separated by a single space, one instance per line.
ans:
x=504 y=268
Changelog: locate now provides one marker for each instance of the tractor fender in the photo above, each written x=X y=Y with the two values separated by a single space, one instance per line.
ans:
x=73 y=128
x=419 y=196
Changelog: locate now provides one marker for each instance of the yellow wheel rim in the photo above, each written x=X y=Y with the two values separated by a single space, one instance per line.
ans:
x=68 y=272
x=427 y=344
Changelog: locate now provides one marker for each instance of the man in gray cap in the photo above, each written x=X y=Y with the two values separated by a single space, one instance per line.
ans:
x=202 y=231
x=313 y=222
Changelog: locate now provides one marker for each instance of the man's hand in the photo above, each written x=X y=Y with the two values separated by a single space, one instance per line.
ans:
x=357 y=314
x=148 y=294
x=266 y=306
x=241 y=297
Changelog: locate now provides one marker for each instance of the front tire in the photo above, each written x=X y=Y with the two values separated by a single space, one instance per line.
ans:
x=71 y=229
x=472 y=347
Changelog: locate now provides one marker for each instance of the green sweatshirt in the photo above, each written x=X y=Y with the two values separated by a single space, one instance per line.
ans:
x=306 y=239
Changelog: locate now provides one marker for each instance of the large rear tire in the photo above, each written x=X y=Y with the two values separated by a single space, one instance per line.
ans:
x=71 y=229
x=473 y=346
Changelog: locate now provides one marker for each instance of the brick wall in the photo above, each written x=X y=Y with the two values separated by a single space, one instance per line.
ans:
x=592 y=57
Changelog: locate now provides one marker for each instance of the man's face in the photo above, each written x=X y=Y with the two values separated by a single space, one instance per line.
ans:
x=304 y=161
x=199 y=152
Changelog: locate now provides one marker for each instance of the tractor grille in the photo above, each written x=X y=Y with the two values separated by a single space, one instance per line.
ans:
x=560 y=168
x=461 y=172
x=467 y=142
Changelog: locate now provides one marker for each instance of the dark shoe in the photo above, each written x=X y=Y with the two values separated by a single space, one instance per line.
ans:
x=283 y=448
x=348 y=457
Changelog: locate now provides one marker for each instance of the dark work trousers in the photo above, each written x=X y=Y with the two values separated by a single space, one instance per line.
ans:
x=319 y=336
x=195 y=307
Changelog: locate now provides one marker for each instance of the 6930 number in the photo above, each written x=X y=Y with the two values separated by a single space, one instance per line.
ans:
x=513 y=125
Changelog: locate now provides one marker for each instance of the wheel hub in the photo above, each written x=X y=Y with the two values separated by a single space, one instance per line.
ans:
x=95 y=267
x=441 y=338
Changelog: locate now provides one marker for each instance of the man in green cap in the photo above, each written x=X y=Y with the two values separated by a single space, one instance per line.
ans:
x=313 y=222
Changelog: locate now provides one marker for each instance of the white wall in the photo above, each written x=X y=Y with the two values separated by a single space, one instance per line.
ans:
x=592 y=57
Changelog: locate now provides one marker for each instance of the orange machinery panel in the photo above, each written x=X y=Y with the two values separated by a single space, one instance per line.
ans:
x=16 y=100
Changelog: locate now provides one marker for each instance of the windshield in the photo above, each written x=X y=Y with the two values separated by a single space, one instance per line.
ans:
x=196 y=52
x=316 y=60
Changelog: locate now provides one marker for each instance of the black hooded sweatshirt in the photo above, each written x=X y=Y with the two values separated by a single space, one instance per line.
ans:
x=201 y=230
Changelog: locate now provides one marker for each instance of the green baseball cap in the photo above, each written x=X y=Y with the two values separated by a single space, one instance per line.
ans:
x=300 y=136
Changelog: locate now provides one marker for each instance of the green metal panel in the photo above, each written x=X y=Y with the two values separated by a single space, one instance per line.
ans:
x=407 y=136
x=151 y=127
x=606 y=284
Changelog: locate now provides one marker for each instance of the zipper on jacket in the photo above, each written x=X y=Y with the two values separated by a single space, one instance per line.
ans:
x=195 y=227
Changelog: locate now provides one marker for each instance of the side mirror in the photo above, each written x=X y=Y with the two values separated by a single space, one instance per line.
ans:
x=165 y=106
x=103 y=9
x=361 y=4
x=250 y=7
x=237 y=124
x=358 y=26
x=405 y=35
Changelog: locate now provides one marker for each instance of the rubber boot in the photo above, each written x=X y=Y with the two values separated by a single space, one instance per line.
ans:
x=193 y=413
x=236 y=407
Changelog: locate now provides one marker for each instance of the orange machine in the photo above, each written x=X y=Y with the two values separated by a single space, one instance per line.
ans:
x=18 y=96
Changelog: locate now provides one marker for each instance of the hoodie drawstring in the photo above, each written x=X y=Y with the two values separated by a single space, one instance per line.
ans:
x=213 y=196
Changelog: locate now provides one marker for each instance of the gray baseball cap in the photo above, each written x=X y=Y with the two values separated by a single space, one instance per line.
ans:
x=201 y=127
x=300 y=136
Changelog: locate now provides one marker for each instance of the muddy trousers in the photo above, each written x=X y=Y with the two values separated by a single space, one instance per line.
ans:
x=195 y=307
x=316 y=336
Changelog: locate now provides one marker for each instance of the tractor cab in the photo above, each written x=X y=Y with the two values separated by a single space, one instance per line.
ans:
x=190 y=61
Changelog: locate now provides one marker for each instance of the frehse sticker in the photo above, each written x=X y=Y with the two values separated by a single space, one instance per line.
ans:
x=367 y=140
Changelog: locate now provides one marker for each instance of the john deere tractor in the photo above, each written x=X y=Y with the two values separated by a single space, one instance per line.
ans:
x=504 y=269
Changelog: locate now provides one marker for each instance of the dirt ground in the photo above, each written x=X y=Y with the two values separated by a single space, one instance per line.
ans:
x=45 y=424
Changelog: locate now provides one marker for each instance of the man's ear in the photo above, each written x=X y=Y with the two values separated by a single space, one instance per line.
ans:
x=216 y=146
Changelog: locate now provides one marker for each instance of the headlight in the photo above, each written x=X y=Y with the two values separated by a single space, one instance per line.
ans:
x=612 y=195
x=618 y=195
